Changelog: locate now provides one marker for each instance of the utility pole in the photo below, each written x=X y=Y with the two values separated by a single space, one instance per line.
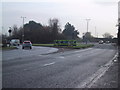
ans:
x=118 y=39
x=87 y=23
x=23 y=35
x=95 y=32
x=118 y=36
x=87 y=29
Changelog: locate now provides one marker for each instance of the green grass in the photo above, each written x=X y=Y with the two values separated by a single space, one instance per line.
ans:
x=79 y=46
x=45 y=45
x=7 y=48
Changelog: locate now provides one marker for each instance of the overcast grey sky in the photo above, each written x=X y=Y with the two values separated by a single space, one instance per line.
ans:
x=103 y=13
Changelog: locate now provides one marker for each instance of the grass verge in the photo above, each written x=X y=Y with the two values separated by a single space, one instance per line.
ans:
x=7 y=48
x=45 y=45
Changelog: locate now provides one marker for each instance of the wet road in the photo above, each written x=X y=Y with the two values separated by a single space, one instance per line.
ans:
x=18 y=53
x=61 y=70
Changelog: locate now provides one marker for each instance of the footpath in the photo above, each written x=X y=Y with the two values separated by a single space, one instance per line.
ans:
x=110 y=79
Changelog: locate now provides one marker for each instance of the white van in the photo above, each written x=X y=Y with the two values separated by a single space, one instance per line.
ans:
x=15 y=42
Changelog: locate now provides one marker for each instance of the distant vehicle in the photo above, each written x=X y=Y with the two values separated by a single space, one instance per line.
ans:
x=101 y=42
x=27 y=44
x=107 y=42
x=15 y=42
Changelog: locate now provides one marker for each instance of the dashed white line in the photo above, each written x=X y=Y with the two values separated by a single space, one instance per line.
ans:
x=77 y=51
x=61 y=57
x=83 y=50
x=39 y=55
x=25 y=69
x=49 y=64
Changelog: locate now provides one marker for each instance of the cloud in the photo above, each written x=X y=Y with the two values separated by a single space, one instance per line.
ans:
x=34 y=0
x=106 y=2
x=73 y=11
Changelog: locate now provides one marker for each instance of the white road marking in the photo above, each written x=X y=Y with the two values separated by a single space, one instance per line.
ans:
x=83 y=50
x=61 y=57
x=77 y=51
x=115 y=60
x=39 y=55
x=24 y=69
x=49 y=64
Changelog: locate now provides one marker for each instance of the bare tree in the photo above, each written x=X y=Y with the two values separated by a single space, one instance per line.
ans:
x=15 y=30
x=55 y=28
x=107 y=35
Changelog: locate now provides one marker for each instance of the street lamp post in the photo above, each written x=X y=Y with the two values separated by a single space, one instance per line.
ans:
x=87 y=28
x=87 y=23
x=95 y=32
x=23 y=36
x=118 y=42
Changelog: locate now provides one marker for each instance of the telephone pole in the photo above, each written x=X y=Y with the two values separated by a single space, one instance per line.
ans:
x=23 y=35
x=118 y=36
x=87 y=23
x=87 y=29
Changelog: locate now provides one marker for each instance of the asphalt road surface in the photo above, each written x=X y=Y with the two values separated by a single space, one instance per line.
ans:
x=18 y=53
x=59 y=70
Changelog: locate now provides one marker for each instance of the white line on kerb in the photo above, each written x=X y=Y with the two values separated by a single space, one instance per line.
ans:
x=49 y=64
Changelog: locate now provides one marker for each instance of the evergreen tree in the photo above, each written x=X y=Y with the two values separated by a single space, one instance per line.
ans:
x=70 y=31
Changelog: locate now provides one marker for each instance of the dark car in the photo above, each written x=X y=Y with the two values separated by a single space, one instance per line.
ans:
x=107 y=42
x=27 y=44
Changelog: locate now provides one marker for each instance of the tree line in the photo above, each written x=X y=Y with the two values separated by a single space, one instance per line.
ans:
x=38 y=33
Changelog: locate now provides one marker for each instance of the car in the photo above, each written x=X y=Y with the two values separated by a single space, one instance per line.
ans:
x=107 y=42
x=27 y=44
x=101 y=42
x=14 y=42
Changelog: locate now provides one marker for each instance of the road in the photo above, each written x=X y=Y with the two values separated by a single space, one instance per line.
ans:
x=60 y=70
x=18 y=53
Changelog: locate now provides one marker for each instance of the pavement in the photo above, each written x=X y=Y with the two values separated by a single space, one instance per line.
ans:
x=109 y=79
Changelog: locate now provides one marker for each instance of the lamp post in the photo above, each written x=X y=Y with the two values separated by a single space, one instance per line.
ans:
x=95 y=32
x=23 y=35
x=87 y=23
x=87 y=28
x=118 y=42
